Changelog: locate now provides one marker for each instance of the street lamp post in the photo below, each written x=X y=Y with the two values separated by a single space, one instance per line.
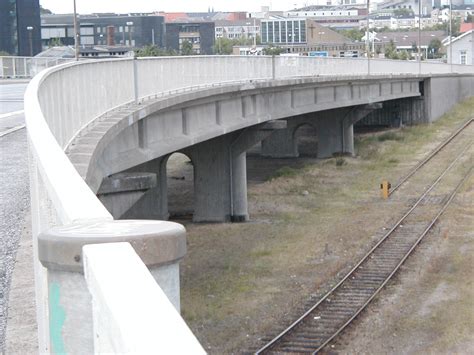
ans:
x=451 y=35
x=130 y=24
x=30 y=38
x=367 y=42
x=419 y=36
x=76 y=34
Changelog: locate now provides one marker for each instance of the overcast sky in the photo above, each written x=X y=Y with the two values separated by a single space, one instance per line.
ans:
x=126 y=6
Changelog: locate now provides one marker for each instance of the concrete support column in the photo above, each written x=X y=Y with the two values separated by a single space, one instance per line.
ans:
x=239 y=188
x=153 y=204
x=334 y=136
x=160 y=245
x=212 y=171
x=336 y=129
x=220 y=173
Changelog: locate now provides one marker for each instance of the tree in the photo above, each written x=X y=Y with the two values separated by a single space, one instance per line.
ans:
x=44 y=11
x=434 y=47
x=4 y=54
x=55 y=42
x=403 y=55
x=187 y=48
x=402 y=12
x=469 y=19
x=154 y=51
x=223 y=46
x=391 y=50
x=273 y=50
x=354 y=34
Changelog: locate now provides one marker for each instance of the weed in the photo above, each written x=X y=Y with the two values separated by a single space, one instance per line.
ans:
x=285 y=171
x=340 y=161
x=390 y=136
x=260 y=253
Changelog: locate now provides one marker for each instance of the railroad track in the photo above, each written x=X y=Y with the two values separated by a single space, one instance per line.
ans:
x=326 y=319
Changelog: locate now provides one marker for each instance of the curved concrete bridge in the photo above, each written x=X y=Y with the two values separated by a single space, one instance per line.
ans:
x=100 y=134
x=122 y=154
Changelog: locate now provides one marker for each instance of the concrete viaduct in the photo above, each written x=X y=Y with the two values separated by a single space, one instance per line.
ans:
x=122 y=155
x=100 y=134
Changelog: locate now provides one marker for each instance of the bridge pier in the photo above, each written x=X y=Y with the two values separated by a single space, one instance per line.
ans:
x=334 y=130
x=336 y=134
x=220 y=173
x=220 y=179
x=284 y=142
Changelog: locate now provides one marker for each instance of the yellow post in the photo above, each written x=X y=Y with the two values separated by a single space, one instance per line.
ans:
x=385 y=186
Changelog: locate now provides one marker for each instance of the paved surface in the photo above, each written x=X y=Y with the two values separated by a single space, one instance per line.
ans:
x=11 y=97
x=14 y=205
x=14 y=192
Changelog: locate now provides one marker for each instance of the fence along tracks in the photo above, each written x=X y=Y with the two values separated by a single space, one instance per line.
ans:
x=340 y=306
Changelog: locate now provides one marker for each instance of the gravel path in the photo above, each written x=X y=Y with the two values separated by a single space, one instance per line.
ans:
x=14 y=205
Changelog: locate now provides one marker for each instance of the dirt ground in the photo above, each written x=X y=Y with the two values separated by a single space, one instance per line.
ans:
x=311 y=220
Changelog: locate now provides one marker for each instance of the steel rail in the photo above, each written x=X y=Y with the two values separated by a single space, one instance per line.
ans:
x=365 y=258
x=427 y=229
x=431 y=155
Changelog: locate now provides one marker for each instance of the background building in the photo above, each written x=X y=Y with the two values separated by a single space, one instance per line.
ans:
x=307 y=37
x=463 y=49
x=200 y=34
x=20 y=27
x=134 y=30
x=247 y=29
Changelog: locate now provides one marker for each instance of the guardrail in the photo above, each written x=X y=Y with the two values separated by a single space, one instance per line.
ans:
x=66 y=215
x=26 y=67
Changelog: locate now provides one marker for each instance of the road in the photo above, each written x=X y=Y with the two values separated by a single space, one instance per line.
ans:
x=14 y=192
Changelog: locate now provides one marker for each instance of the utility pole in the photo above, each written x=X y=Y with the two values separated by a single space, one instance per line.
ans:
x=30 y=38
x=367 y=42
x=451 y=35
x=76 y=34
x=254 y=34
x=419 y=36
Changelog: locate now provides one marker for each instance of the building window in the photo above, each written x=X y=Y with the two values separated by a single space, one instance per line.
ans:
x=270 y=32
x=264 y=32
x=277 y=32
x=463 y=57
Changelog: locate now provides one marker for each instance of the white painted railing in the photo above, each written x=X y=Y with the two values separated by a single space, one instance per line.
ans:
x=60 y=101
x=26 y=67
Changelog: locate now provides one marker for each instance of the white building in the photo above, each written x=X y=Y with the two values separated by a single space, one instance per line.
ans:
x=402 y=22
x=462 y=49
x=329 y=12
x=249 y=28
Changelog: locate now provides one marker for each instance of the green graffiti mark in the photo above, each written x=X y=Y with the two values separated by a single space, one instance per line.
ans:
x=57 y=315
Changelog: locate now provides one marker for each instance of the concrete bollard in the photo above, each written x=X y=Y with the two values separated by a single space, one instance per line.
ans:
x=160 y=245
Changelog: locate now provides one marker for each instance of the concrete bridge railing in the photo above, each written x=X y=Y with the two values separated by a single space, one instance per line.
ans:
x=66 y=214
x=12 y=67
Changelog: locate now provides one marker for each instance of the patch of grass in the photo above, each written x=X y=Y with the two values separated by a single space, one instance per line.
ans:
x=340 y=161
x=261 y=253
x=390 y=136
x=286 y=171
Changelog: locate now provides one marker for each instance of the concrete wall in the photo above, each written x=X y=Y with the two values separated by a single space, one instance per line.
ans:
x=443 y=92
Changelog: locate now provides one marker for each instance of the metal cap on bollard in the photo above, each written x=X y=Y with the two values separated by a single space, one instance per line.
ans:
x=156 y=242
